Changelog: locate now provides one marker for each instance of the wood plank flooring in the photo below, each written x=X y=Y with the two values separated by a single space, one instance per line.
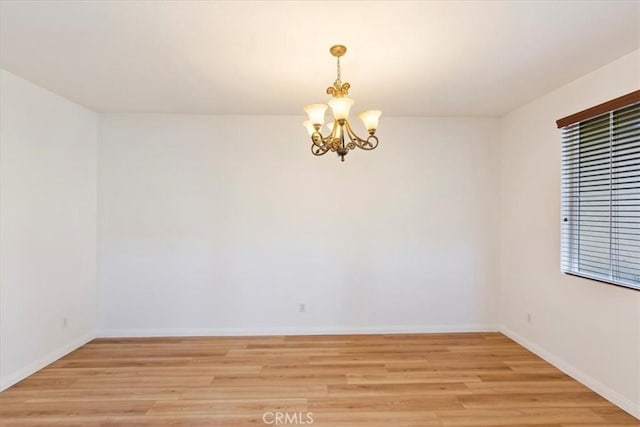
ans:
x=463 y=380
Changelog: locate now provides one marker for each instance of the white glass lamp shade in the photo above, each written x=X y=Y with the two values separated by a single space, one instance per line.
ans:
x=316 y=113
x=309 y=126
x=370 y=119
x=341 y=107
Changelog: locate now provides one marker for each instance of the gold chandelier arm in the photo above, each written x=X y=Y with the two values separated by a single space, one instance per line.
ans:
x=318 y=140
x=321 y=145
x=318 y=151
x=365 y=144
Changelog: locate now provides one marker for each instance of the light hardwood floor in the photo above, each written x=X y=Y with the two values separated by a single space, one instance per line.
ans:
x=479 y=379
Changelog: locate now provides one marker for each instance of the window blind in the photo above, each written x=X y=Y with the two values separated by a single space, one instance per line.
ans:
x=601 y=197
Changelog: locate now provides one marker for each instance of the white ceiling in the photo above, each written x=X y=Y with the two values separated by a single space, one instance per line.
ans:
x=406 y=58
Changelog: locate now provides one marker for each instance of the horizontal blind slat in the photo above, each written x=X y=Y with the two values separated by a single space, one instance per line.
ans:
x=600 y=174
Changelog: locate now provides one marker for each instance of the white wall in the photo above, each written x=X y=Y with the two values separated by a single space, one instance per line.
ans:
x=589 y=329
x=47 y=223
x=223 y=225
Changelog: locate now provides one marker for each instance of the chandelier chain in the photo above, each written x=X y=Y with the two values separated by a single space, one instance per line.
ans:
x=339 y=80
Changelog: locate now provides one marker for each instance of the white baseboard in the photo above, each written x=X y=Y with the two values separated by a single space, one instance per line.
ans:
x=9 y=380
x=332 y=330
x=612 y=396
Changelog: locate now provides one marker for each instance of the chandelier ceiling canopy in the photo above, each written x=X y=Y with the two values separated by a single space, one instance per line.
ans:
x=340 y=138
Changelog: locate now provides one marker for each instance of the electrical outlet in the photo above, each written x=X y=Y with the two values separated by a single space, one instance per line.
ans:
x=302 y=308
x=65 y=322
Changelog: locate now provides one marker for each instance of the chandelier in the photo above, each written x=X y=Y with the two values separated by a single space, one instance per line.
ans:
x=341 y=138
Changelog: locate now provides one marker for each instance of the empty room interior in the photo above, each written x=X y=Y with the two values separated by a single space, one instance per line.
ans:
x=320 y=213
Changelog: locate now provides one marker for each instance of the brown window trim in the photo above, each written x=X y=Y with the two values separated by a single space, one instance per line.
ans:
x=605 y=107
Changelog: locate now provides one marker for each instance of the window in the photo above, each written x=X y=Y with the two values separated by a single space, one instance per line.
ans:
x=601 y=192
